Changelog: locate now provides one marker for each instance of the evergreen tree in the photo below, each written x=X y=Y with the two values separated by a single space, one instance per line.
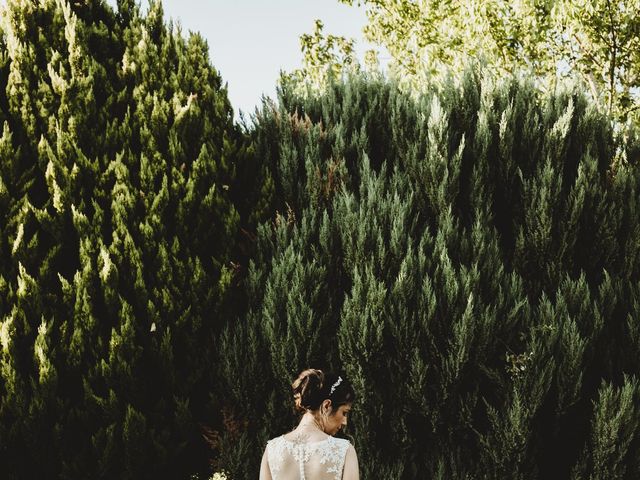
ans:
x=469 y=257
x=117 y=159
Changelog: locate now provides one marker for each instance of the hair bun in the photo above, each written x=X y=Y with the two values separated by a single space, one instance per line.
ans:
x=307 y=389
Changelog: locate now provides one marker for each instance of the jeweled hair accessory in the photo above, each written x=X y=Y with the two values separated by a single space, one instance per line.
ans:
x=335 y=385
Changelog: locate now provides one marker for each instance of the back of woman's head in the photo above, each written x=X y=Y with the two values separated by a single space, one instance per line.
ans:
x=312 y=387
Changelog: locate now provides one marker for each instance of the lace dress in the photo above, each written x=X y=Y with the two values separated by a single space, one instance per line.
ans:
x=301 y=460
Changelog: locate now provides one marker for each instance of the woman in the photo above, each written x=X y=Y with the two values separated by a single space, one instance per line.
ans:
x=310 y=452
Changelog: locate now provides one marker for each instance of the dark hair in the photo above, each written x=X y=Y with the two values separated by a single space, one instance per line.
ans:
x=312 y=387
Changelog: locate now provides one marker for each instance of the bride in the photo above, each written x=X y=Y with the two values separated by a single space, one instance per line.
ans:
x=310 y=452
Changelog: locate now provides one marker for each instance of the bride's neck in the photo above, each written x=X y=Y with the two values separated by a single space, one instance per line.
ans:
x=309 y=420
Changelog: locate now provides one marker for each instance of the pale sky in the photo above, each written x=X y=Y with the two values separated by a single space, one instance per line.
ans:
x=250 y=41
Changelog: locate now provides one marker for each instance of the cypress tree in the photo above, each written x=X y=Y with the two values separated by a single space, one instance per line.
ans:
x=468 y=257
x=117 y=160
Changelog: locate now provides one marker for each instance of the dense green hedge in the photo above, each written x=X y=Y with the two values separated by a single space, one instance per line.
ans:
x=470 y=258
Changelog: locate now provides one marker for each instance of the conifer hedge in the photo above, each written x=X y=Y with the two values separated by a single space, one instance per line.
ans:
x=470 y=258
x=117 y=157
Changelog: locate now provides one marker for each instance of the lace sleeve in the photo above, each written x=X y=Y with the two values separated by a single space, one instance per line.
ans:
x=333 y=454
x=275 y=455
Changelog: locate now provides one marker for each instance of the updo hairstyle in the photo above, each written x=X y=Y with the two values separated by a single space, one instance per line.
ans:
x=312 y=387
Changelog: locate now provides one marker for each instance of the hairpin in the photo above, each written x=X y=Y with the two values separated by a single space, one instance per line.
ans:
x=335 y=385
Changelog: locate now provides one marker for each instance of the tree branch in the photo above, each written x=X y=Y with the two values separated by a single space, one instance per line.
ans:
x=614 y=51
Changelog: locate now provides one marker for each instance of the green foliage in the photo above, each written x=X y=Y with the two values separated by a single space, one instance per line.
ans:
x=614 y=430
x=468 y=257
x=323 y=58
x=117 y=161
x=596 y=42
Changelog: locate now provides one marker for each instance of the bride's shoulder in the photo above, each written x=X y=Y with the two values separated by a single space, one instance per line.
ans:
x=342 y=444
x=277 y=439
x=276 y=444
x=341 y=441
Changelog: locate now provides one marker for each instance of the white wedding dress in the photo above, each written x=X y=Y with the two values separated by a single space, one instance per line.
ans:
x=299 y=459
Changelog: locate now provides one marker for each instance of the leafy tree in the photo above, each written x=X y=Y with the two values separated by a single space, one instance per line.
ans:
x=597 y=42
x=324 y=57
